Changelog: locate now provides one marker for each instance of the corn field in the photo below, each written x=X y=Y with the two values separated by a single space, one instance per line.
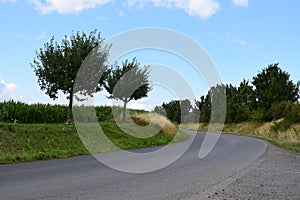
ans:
x=18 y=112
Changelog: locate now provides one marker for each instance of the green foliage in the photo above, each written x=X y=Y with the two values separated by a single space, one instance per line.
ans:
x=246 y=95
x=31 y=142
x=204 y=106
x=289 y=112
x=232 y=105
x=273 y=85
x=281 y=126
x=244 y=114
x=177 y=111
x=92 y=113
x=218 y=103
x=56 y=65
x=259 y=115
x=270 y=98
x=19 y=112
x=173 y=111
x=280 y=109
x=12 y=111
x=240 y=102
x=294 y=114
x=104 y=113
x=238 y=105
x=185 y=108
x=128 y=82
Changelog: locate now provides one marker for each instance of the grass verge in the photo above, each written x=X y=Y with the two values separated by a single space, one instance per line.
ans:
x=32 y=142
x=289 y=138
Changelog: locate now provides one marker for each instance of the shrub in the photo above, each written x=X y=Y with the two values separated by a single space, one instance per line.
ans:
x=280 y=110
x=258 y=115
x=243 y=114
x=293 y=115
x=281 y=126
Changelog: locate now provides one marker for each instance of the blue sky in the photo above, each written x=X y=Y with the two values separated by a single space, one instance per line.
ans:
x=240 y=36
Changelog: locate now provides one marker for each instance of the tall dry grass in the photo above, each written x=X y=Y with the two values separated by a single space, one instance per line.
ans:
x=165 y=125
x=289 y=138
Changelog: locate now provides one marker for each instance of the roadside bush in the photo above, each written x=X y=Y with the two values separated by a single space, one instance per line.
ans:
x=281 y=126
x=281 y=109
x=293 y=115
x=259 y=115
x=104 y=113
x=243 y=114
x=262 y=115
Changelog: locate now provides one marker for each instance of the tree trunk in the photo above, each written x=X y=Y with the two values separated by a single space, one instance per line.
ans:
x=124 y=110
x=70 y=113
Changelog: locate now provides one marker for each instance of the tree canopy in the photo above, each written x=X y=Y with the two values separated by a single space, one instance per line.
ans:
x=273 y=85
x=128 y=82
x=177 y=110
x=56 y=65
x=271 y=96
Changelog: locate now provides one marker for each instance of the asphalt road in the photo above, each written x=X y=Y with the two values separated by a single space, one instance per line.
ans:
x=84 y=177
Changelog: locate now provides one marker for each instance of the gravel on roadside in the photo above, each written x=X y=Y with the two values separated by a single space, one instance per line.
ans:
x=275 y=176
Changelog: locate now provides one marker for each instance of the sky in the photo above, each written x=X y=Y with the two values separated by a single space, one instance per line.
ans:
x=241 y=37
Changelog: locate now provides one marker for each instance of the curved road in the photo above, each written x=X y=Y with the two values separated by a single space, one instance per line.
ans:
x=84 y=177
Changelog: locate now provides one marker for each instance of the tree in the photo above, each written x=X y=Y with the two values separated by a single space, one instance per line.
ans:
x=185 y=108
x=128 y=82
x=232 y=104
x=56 y=65
x=273 y=85
x=173 y=111
x=159 y=110
x=218 y=103
x=177 y=110
x=246 y=101
x=240 y=102
x=204 y=106
x=246 y=95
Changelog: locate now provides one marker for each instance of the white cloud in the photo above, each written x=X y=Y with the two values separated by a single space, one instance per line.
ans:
x=121 y=13
x=140 y=104
x=66 y=6
x=200 y=8
x=7 y=1
x=243 y=3
x=240 y=42
x=9 y=91
x=138 y=3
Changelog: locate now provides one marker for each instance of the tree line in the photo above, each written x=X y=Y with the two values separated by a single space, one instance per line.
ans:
x=270 y=95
